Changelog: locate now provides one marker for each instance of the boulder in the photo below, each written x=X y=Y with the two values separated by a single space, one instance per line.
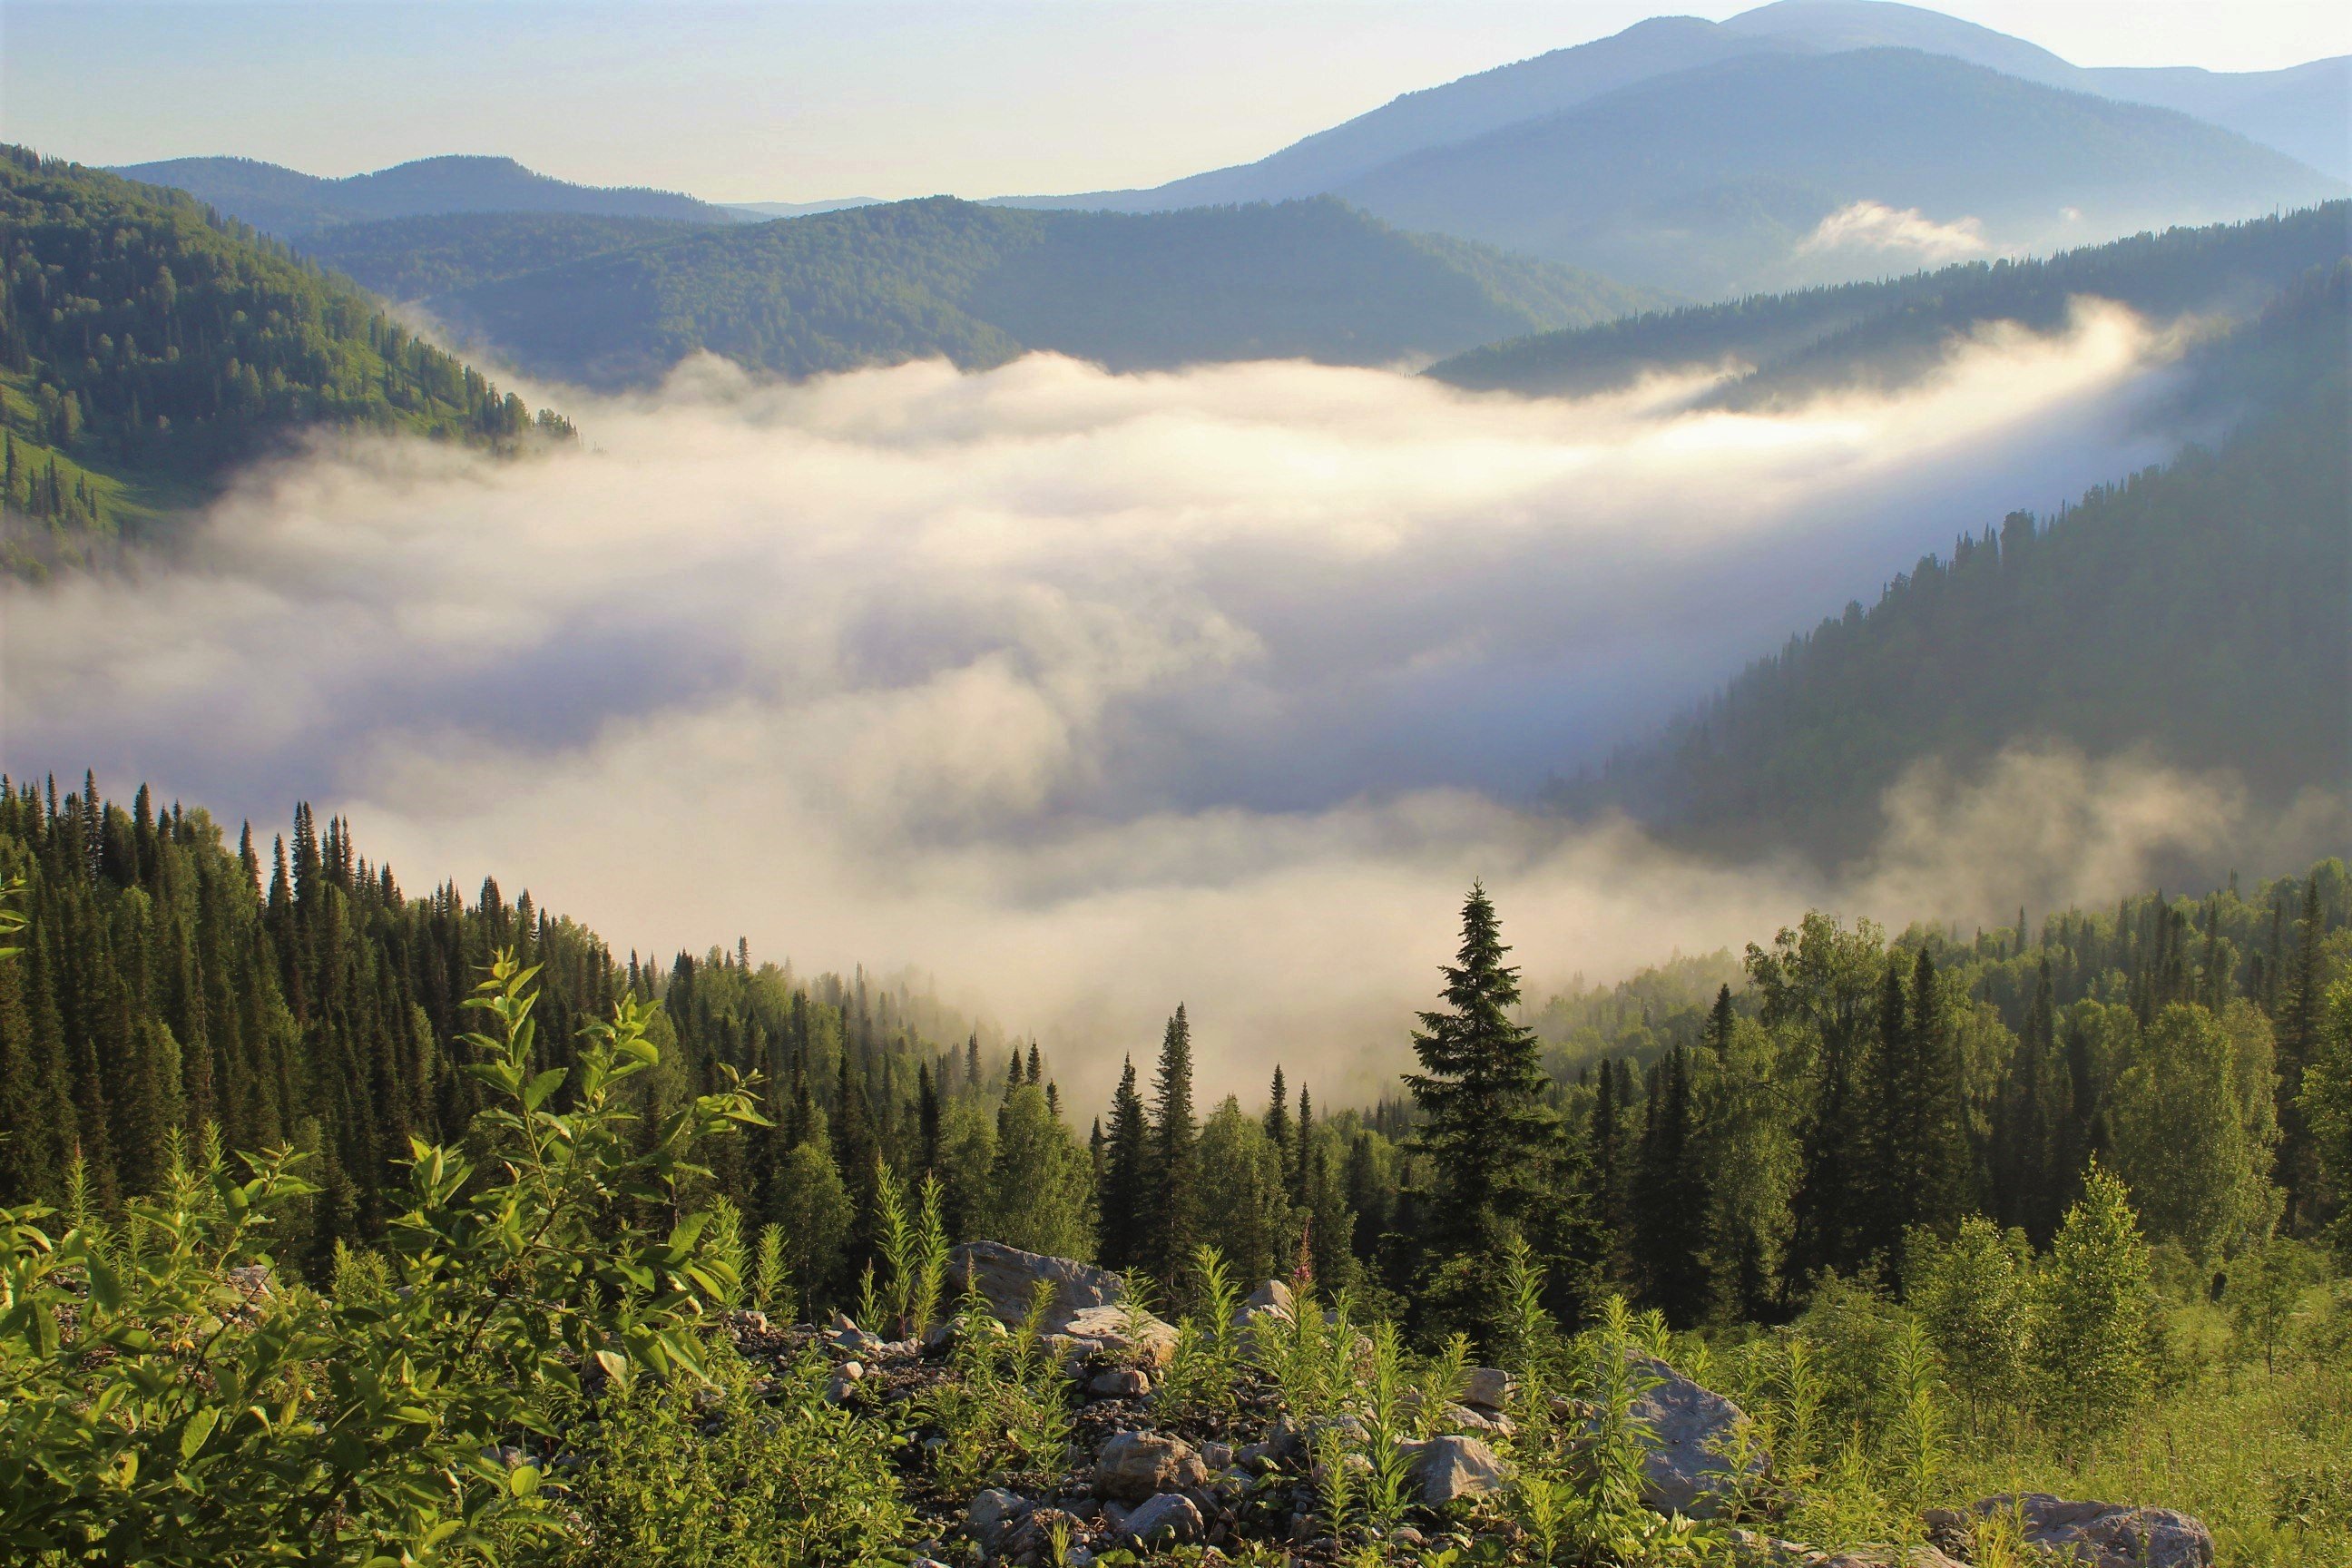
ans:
x=1682 y=1474
x=1169 y=1519
x=2091 y=1534
x=1006 y=1277
x=1486 y=1388
x=1121 y=1333
x=1133 y=1466
x=1034 y=1533
x=845 y=1376
x=1452 y=1467
x=1120 y=1382
x=992 y=1515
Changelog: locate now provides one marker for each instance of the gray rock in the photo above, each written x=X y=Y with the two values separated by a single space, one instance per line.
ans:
x=1217 y=1455
x=1121 y=1333
x=1133 y=1466
x=1487 y=1387
x=1487 y=1423
x=1682 y=1474
x=1167 y=1519
x=2093 y=1534
x=992 y=1515
x=746 y=1323
x=1120 y=1382
x=1005 y=1277
x=845 y=1376
x=1450 y=1468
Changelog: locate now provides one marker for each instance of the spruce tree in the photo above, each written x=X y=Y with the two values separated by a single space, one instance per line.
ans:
x=1671 y=1199
x=1484 y=1128
x=1277 y=1113
x=1124 y=1196
x=1170 y=1221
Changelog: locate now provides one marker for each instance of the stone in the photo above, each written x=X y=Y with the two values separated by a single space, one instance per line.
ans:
x=746 y=1325
x=1122 y=1333
x=1487 y=1387
x=1274 y=1297
x=1880 y=1557
x=1450 y=1468
x=845 y=1376
x=1682 y=1473
x=1006 y=1277
x=1120 y=1382
x=2091 y=1534
x=1133 y=1466
x=1466 y=1418
x=992 y=1515
x=1217 y=1455
x=1034 y=1533
x=1169 y=1519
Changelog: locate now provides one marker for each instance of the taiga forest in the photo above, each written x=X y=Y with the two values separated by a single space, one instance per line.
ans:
x=1599 y=821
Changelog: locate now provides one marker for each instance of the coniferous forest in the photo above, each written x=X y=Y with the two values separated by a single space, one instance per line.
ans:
x=2074 y=1169
x=1233 y=650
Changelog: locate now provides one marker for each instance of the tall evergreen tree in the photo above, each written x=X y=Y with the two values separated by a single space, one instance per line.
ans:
x=1671 y=1198
x=1172 y=1222
x=1484 y=1127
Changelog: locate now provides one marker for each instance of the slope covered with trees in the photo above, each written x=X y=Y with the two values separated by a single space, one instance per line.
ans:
x=529 y=1242
x=2199 y=611
x=1881 y=333
x=290 y=204
x=145 y=345
x=408 y=258
x=978 y=285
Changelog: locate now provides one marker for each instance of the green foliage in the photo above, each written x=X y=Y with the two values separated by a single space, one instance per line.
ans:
x=915 y=1252
x=2091 y=1317
x=1003 y=1417
x=744 y=1472
x=143 y=340
x=1974 y=1295
x=1203 y=1376
x=2199 y=1173
x=417 y=258
x=165 y=1401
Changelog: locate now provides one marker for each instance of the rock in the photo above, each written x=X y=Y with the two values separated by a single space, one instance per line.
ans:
x=1217 y=1455
x=1120 y=1382
x=1682 y=1473
x=2091 y=1534
x=845 y=1376
x=1034 y=1533
x=1452 y=1467
x=992 y=1515
x=1487 y=1387
x=746 y=1325
x=249 y=1279
x=1122 y=1333
x=1133 y=1466
x=941 y=1339
x=1464 y=1418
x=1006 y=1277
x=1877 y=1557
x=1272 y=1297
x=1167 y=1520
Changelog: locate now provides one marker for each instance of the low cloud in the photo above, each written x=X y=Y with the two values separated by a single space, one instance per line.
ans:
x=1087 y=693
x=1907 y=232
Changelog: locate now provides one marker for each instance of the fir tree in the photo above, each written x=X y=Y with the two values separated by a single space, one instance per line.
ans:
x=1124 y=1190
x=1171 y=1215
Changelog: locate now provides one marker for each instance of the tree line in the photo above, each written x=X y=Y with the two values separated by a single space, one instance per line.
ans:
x=1716 y=1157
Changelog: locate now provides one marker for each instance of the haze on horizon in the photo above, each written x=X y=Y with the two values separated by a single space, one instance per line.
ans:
x=820 y=100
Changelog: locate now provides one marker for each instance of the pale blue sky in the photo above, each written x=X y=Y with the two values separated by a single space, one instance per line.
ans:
x=807 y=98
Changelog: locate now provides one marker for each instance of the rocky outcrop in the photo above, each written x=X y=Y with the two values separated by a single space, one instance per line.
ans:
x=2090 y=1534
x=1007 y=1279
x=1133 y=1466
x=1685 y=1473
x=1486 y=1388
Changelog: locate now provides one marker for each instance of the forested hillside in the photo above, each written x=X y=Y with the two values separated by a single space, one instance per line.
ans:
x=171 y=980
x=1882 y=333
x=290 y=203
x=979 y=285
x=2202 y=611
x=145 y=345
x=408 y=259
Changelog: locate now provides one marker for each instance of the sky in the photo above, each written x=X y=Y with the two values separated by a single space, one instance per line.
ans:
x=813 y=99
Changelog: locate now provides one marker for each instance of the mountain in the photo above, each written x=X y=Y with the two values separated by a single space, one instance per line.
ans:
x=761 y=212
x=413 y=258
x=2304 y=111
x=290 y=204
x=1724 y=180
x=2199 y=615
x=146 y=345
x=979 y=285
x=1764 y=138
x=1880 y=333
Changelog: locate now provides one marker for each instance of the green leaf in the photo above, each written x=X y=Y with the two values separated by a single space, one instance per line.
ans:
x=616 y=1366
x=105 y=1284
x=524 y=1479
x=542 y=1085
x=199 y=1428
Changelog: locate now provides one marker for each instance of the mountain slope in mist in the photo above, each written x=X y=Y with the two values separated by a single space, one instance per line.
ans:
x=2199 y=615
x=979 y=285
x=1884 y=334
x=409 y=259
x=290 y=204
x=1777 y=170
x=146 y=346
